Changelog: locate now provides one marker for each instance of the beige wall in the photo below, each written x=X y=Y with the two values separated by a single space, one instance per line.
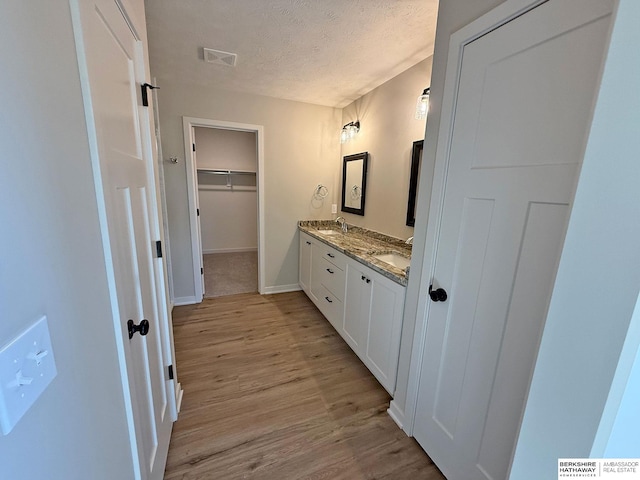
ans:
x=226 y=149
x=301 y=150
x=388 y=128
x=228 y=216
x=52 y=261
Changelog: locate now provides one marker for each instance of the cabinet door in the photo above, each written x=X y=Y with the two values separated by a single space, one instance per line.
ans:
x=384 y=325
x=305 y=262
x=316 y=289
x=356 y=309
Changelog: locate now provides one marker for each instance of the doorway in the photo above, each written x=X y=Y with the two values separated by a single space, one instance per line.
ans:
x=226 y=165
x=225 y=203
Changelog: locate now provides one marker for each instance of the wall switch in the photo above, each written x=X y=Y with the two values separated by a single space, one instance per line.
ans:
x=27 y=367
x=334 y=208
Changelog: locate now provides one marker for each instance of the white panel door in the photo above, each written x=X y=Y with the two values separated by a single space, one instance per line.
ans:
x=115 y=64
x=199 y=225
x=522 y=111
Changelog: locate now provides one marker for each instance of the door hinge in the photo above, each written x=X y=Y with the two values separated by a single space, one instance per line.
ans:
x=194 y=147
x=170 y=369
x=201 y=271
x=145 y=98
x=198 y=212
x=159 y=249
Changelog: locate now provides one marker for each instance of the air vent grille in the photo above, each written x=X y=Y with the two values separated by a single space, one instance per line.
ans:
x=219 y=57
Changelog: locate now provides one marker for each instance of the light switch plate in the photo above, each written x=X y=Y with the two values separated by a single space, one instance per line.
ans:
x=27 y=367
x=334 y=208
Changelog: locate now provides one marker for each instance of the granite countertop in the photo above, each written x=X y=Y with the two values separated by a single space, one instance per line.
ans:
x=361 y=245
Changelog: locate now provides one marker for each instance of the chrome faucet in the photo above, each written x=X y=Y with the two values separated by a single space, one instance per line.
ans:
x=343 y=224
x=409 y=241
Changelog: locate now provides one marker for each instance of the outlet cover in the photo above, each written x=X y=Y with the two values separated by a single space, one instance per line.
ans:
x=27 y=367
x=334 y=208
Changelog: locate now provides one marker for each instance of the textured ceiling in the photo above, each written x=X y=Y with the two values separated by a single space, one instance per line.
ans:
x=327 y=52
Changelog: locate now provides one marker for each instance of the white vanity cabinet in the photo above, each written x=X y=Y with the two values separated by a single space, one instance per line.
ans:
x=322 y=276
x=372 y=322
x=364 y=306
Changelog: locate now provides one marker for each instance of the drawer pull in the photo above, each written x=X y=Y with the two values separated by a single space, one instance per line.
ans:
x=308 y=243
x=331 y=255
x=366 y=279
x=330 y=271
x=328 y=299
x=363 y=277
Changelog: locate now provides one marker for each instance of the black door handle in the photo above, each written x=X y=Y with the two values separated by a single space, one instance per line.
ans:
x=143 y=328
x=439 y=295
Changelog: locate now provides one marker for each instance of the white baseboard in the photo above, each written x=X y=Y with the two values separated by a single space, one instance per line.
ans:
x=396 y=414
x=229 y=250
x=184 y=301
x=294 y=287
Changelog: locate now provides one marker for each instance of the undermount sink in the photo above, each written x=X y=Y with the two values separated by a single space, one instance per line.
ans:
x=394 y=259
x=328 y=232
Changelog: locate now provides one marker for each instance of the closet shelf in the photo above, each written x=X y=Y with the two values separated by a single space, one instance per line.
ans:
x=216 y=171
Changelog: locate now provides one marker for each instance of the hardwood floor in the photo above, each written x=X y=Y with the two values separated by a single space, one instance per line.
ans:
x=271 y=391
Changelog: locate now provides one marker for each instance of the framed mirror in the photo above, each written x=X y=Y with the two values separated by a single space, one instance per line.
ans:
x=354 y=182
x=414 y=180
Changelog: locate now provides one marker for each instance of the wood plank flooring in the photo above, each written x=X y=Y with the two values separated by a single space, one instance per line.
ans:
x=271 y=391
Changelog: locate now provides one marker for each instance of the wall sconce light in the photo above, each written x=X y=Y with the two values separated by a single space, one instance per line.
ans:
x=349 y=131
x=422 y=106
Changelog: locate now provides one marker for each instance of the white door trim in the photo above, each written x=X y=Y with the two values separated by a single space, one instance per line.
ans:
x=188 y=124
x=497 y=17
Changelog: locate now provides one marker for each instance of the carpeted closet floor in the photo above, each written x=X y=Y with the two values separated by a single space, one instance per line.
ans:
x=230 y=273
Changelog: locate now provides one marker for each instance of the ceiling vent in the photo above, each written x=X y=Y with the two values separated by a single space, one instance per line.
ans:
x=219 y=57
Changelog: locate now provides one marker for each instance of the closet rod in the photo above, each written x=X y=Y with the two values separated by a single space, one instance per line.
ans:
x=214 y=171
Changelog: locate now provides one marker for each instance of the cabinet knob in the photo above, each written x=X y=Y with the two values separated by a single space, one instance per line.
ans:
x=439 y=295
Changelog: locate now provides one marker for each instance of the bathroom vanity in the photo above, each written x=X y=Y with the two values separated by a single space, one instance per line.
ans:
x=358 y=280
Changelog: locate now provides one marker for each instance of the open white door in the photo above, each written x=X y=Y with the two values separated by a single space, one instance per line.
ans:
x=112 y=66
x=194 y=211
x=520 y=97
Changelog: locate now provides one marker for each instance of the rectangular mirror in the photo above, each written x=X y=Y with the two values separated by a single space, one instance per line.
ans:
x=414 y=180
x=354 y=180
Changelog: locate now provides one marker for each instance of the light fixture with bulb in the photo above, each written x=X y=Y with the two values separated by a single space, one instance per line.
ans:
x=422 y=105
x=349 y=131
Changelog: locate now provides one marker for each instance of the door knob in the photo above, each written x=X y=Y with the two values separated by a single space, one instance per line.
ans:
x=439 y=295
x=143 y=328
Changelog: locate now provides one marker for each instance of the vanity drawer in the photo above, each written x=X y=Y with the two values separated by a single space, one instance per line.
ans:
x=333 y=256
x=332 y=278
x=331 y=307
